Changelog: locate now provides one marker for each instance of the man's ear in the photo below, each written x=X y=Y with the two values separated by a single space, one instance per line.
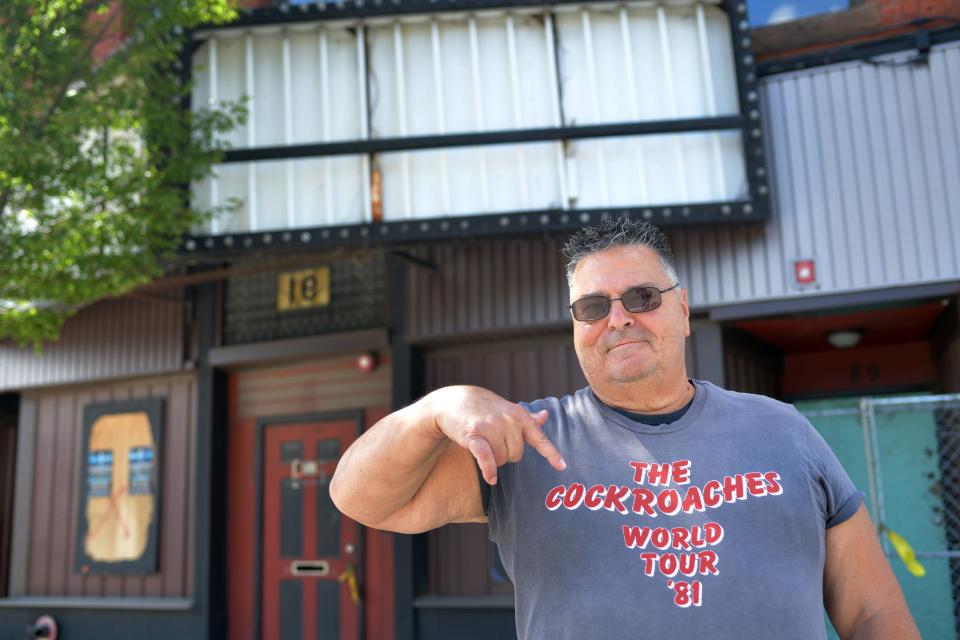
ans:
x=686 y=310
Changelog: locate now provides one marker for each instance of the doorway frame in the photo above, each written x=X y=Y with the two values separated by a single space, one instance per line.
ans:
x=355 y=415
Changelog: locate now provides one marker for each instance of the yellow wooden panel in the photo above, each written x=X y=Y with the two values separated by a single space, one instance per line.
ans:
x=118 y=526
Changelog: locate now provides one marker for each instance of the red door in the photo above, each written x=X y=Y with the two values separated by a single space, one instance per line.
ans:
x=311 y=553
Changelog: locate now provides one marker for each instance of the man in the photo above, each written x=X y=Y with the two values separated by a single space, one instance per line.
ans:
x=658 y=506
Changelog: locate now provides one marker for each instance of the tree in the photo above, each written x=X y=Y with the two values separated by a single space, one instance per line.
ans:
x=96 y=151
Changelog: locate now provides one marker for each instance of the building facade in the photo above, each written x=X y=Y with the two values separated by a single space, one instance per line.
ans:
x=406 y=179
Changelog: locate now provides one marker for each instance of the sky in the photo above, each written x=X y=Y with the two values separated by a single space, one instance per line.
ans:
x=772 y=11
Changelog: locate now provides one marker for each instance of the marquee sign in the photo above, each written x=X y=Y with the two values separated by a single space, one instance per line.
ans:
x=383 y=124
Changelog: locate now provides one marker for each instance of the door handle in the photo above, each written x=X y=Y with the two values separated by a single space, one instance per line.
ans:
x=350 y=577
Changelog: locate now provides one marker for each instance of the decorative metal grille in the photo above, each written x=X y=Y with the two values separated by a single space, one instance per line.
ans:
x=358 y=300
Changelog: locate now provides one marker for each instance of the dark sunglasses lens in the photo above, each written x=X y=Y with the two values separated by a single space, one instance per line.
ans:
x=641 y=299
x=589 y=309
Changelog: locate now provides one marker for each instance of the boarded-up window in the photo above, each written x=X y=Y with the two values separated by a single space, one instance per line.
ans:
x=468 y=73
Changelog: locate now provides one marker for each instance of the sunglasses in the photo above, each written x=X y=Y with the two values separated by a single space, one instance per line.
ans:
x=635 y=300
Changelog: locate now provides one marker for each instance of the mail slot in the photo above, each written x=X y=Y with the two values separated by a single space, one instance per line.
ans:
x=310 y=567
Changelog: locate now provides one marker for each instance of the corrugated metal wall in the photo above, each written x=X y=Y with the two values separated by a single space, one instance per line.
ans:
x=109 y=339
x=866 y=175
x=515 y=369
x=487 y=286
x=57 y=430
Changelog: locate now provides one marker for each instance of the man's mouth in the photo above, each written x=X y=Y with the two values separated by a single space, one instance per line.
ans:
x=623 y=344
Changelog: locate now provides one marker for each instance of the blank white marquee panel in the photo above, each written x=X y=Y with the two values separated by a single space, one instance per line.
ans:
x=435 y=74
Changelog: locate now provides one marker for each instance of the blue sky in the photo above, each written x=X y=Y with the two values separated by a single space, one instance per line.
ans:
x=766 y=11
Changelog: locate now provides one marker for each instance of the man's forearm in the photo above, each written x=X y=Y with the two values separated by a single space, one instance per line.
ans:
x=383 y=470
x=894 y=623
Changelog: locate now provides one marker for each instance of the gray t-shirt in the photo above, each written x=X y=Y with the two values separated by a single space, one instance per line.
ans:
x=711 y=526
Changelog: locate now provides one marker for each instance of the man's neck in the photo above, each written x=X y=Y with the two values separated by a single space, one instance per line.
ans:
x=649 y=396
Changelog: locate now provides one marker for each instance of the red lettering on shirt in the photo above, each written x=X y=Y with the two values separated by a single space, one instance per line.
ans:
x=712 y=497
x=773 y=483
x=693 y=500
x=554 y=497
x=639 y=471
x=734 y=488
x=592 y=499
x=574 y=496
x=668 y=501
x=613 y=501
x=708 y=562
x=635 y=537
x=643 y=500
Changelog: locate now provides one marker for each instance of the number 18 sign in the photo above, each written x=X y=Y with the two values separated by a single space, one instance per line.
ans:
x=303 y=289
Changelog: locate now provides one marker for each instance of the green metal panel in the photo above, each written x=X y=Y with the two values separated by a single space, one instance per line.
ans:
x=907 y=475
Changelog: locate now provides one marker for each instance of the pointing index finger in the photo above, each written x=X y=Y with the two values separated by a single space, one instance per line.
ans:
x=534 y=436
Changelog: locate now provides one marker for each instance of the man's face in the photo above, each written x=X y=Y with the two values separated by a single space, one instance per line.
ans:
x=628 y=347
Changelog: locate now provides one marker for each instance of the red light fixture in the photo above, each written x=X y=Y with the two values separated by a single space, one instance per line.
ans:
x=367 y=362
x=805 y=271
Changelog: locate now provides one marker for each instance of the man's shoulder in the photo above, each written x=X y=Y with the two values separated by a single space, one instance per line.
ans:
x=570 y=403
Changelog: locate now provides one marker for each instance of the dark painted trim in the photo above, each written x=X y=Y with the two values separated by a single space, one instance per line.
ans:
x=812 y=303
x=262 y=425
x=285 y=350
x=869 y=391
x=85 y=603
x=946 y=329
x=209 y=538
x=863 y=52
x=23 y=496
x=482 y=224
x=510 y=136
x=407 y=384
x=707 y=341
x=147 y=563
x=218 y=613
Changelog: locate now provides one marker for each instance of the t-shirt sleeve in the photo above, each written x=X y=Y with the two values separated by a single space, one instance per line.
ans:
x=840 y=498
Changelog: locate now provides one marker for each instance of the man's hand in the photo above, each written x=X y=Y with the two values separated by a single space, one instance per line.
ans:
x=416 y=469
x=492 y=429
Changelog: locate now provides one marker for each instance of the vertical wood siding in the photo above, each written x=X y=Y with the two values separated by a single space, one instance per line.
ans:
x=751 y=366
x=57 y=470
x=314 y=386
x=458 y=562
x=517 y=370
x=109 y=339
x=487 y=286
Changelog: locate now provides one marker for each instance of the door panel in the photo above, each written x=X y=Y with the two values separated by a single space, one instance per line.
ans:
x=312 y=560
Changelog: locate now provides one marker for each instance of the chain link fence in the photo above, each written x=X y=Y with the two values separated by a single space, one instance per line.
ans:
x=904 y=453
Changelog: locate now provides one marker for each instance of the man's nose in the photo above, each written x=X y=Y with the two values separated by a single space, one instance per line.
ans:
x=619 y=316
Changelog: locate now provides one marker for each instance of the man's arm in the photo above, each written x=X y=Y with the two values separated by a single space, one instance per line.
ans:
x=860 y=592
x=415 y=469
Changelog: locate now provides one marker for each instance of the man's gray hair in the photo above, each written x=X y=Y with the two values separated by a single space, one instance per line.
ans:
x=619 y=232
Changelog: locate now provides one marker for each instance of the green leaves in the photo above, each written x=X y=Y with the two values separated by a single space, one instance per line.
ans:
x=96 y=153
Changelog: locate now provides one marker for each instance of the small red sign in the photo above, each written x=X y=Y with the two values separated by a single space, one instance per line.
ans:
x=805 y=271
